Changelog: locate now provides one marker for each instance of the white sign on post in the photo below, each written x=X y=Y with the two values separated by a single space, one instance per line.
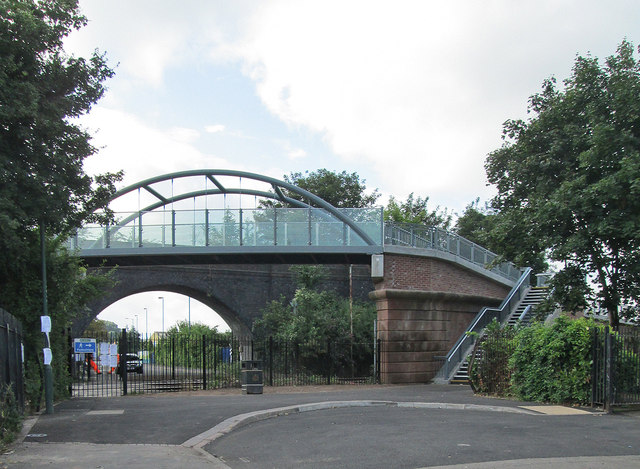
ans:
x=47 y=356
x=45 y=322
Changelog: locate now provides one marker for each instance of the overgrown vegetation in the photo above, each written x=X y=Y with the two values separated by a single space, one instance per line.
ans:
x=542 y=362
x=10 y=416
x=546 y=362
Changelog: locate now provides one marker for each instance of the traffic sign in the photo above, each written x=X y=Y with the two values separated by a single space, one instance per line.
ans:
x=84 y=345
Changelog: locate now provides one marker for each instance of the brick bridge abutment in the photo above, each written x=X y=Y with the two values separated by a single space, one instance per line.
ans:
x=424 y=304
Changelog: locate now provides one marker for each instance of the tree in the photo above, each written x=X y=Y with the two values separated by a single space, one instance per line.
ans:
x=42 y=148
x=315 y=316
x=484 y=227
x=568 y=179
x=416 y=211
x=342 y=190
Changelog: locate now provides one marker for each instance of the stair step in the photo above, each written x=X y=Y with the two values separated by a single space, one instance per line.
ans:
x=534 y=296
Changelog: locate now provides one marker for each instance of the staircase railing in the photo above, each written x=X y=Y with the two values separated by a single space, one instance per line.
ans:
x=431 y=237
x=461 y=348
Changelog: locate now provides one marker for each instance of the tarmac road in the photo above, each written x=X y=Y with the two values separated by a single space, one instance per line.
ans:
x=324 y=426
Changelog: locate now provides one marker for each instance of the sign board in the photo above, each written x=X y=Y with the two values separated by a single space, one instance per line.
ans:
x=45 y=324
x=84 y=345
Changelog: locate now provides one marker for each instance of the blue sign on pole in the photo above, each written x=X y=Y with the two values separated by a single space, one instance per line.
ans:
x=84 y=346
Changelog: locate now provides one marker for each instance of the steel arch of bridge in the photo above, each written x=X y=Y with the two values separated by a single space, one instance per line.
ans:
x=220 y=189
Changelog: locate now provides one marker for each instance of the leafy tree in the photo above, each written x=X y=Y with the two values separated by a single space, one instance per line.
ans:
x=484 y=227
x=568 y=179
x=415 y=211
x=315 y=316
x=342 y=190
x=42 y=183
x=102 y=327
x=475 y=224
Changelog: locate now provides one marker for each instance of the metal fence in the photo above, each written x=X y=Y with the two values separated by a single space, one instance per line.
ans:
x=185 y=362
x=11 y=356
x=616 y=367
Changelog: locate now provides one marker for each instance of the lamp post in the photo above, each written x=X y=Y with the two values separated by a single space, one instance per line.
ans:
x=162 y=298
x=146 y=324
x=136 y=322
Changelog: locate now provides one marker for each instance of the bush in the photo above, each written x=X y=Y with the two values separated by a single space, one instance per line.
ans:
x=10 y=416
x=489 y=371
x=552 y=363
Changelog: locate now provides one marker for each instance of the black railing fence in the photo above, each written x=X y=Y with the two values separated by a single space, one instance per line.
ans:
x=184 y=362
x=11 y=362
x=616 y=367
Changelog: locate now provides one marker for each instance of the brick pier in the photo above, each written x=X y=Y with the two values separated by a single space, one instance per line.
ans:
x=424 y=305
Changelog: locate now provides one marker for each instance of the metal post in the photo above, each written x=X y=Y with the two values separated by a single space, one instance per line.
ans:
x=173 y=228
x=328 y=362
x=206 y=227
x=270 y=360
x=123 y=360
x=48 y=371
x=140 y=230
x=275 y=226
x=608 y=397
x=173 y=358
x=204 y=362
x=309 y=224
x=240 y=232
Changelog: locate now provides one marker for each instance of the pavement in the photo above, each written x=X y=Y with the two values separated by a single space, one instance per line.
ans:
x=346 y=426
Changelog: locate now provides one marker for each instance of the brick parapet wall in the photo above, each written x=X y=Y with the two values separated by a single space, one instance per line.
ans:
x=405 y=272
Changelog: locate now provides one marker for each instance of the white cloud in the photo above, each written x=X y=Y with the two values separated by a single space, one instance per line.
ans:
x=417 y=89
x=183 y=134
x=139 y=149
x=215 y=128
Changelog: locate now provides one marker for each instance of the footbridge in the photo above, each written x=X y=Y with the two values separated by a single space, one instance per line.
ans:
x=227 y=238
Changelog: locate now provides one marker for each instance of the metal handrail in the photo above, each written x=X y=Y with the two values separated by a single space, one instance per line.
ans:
x=483 y=318
x=525 y=313
x=431 y=237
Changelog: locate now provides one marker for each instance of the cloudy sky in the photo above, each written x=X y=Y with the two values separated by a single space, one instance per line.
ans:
x=411 y=95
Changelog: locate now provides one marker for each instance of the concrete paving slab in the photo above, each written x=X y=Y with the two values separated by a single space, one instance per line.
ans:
x=555 y=410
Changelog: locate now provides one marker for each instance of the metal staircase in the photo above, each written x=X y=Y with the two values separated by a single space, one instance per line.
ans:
x=521 y=314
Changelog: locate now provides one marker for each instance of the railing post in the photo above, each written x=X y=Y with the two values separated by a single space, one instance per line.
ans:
x=309 y=224
x=206 y=227
x=240 y=231
x=328 y=361
x=204 y=362
x=140 y=230
x=270 y=360
x=608 y=393
x=173 y=228
x=275 y=226
x=123 y=360
x=173 y=358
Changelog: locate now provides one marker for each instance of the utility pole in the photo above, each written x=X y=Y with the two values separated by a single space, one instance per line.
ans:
x=48 y=371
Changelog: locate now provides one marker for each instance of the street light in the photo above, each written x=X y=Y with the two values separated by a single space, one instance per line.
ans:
x=136 y=322
x=162 y=298
x=146 y=323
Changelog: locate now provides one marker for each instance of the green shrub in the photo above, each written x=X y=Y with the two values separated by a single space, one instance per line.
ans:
x=552 y=363
x=489 y=371
x=10 y=416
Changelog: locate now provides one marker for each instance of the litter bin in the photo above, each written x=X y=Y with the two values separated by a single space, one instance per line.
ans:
x=251 y=377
